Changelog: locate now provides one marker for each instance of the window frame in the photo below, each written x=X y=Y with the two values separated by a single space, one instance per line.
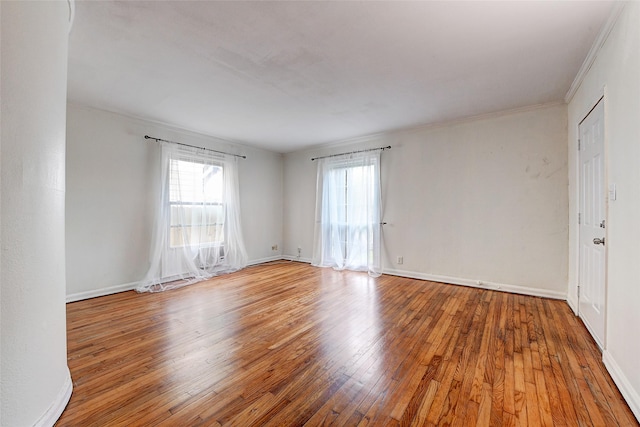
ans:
x=346 y=168
x=173 y=203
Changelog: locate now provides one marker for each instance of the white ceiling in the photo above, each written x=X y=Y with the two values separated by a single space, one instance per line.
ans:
x=288 y=75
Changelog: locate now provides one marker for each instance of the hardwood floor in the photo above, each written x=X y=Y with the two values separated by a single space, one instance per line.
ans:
x=288 y=345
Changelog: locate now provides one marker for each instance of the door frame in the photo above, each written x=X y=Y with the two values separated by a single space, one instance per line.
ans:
x=601 y=98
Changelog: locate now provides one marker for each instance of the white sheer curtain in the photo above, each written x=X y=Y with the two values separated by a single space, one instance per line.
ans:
x=348 y=204
x=197 y=230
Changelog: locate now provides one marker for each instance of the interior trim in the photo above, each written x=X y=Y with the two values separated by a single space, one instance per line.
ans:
x=94 y=293
x=630 y=395
x=493 y=286
x=49 y=418
x=79 y=296
x=595 y=48
x=481 y=284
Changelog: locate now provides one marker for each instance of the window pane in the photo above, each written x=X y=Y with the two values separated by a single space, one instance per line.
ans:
x=195 y=182
x=196 y=200
x=352 y=189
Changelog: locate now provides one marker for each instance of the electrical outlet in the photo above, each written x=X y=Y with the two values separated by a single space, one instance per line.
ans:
x=274 y=247
x=400 y=260
x=299 y=251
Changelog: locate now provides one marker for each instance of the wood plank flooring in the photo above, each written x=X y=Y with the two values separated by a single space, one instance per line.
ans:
x=288 y=344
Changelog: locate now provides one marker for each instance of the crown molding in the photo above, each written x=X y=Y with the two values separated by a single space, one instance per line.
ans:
x=595 y=49
x=375 y=137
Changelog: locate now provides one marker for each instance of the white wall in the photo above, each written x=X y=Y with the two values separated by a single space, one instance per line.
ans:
x=113 y=182
x=616 y=74
x=35 y=382
x=482 y=200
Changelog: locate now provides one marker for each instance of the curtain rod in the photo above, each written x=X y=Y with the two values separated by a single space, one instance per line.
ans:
x=388 y=147
x=193 y=146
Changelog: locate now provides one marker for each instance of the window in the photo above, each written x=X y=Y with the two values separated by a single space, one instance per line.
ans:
x=197 y=232
x=196 y=199
x=350 y=222
x=347 y=234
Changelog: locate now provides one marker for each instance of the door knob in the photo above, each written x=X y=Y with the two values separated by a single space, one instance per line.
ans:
x=598 y=241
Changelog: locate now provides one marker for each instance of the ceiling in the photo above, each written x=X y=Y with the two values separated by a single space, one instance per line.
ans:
x=288 y=75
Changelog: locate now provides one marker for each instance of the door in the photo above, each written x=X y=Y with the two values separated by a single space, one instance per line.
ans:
x=592 y=261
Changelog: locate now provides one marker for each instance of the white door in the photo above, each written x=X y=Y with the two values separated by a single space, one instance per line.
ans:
x=592 y=223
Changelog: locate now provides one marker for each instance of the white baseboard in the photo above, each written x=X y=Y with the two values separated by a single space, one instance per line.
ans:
x=402 y=273
x=295 y=258
x=573 y=305
x=493 y=286
x=263 y=260
x=523 y=290
x=50 y=417
x=626 y=389
x=78 y=296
